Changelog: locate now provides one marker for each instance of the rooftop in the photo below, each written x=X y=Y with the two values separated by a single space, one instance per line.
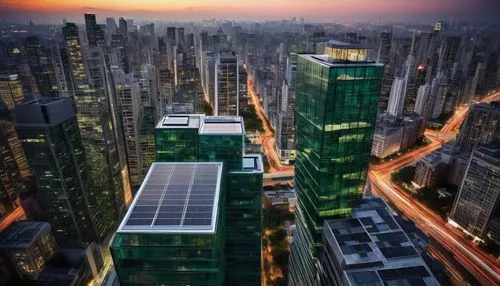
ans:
x=206 y=125
x=324 y=60
x=252 y=163
x=343 y=45
x=22 y=233
x=433 y=159
x=374 y=249
x=222 y=125
x=176 y=198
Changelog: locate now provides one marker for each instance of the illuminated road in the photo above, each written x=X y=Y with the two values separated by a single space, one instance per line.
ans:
x=17 y=214
x=483 y=266
x=266 y=139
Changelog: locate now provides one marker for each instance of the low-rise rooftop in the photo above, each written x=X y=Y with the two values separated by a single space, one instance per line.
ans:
x=372 y=249
x=22 y=233
x=206 y=125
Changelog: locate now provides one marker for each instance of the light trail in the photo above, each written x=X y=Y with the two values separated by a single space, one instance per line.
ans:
x=483 y=266
x=15 y=215
x=266 y=139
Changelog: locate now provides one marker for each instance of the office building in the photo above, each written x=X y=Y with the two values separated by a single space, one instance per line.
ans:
x=14 y=169
x=478 y=199
x=26 y=247
x=242 y=87
x=41 y=65
x=429 y=170
x=111 y=26
x=227 y=84
x=397 y=97
x=129 y=101
x=387 y=137
x=11 y=90
x=199 y=138
x=98 y=138
x=285 y=136
x=76 y=68
x=480 y=127
x=95 y=34
x=147 y=137
x=371 y=248
x=413 y=129
x=48 y=130
x=422 y=100
x=173 y=233
x=336 y=98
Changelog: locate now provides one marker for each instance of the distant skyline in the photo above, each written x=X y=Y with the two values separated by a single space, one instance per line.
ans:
x=53 y=11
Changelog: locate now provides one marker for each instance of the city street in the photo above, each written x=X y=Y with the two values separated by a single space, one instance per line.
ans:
x=483 y=266
x=267 y=138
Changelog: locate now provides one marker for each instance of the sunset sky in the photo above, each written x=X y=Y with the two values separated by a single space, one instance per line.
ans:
x=324 y=10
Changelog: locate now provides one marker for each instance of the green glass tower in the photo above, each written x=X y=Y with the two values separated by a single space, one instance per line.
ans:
x=187 y=138
x=336 y=99
x=173 y=233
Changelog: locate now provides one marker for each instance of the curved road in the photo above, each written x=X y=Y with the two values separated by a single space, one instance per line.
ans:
x=483 y=266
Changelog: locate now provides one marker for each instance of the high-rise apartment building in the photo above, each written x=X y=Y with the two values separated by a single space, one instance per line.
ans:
x=173 y=233
x=336 y=96
x=480 y=127
x=227 y=84
x=478 y=199
x=48 y=130
x=199 y=138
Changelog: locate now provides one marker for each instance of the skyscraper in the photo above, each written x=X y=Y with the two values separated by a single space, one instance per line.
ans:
x=76 y=70
x=397 y=97
x=48 y=130
x=478 y=199
x=128 y=98
x=227 y=84
x=422 y=100
x=95 y=35
x=285 y=142
x=122 y=27
x=480 y=127
x=98 y=138
x=173 y=233
x=11 y=181
x=41 y=65
x=336 y=96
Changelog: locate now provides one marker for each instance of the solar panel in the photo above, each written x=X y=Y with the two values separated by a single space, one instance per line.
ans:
x=176 y=196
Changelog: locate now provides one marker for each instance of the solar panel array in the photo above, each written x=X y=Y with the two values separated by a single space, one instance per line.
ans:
x=176 y=196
